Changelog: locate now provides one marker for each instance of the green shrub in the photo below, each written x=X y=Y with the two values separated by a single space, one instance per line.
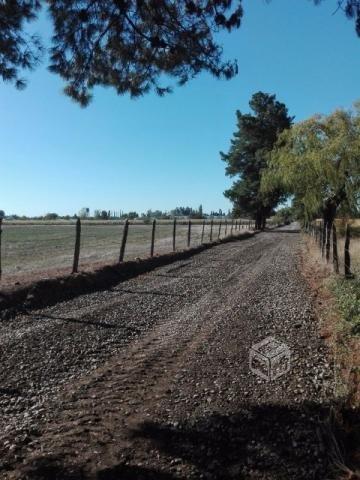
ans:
x=347 y=292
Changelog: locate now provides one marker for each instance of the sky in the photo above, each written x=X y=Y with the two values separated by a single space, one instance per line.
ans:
x=159 y=153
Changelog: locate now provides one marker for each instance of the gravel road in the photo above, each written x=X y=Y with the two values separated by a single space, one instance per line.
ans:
x=151 y=379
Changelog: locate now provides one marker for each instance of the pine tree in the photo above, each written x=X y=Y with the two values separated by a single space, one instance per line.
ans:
x=125 y=44
x=128 y=45
x=247 y=157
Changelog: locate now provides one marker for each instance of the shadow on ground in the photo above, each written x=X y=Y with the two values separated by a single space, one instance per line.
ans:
x=257 y=442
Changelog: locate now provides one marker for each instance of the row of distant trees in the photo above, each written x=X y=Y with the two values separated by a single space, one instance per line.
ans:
x=314 y=163
x=98 y=214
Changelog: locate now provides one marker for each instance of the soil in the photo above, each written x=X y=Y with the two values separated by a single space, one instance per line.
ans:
x=150 y=379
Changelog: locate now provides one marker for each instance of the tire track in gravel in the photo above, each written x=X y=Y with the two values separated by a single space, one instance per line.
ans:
x=128 y=417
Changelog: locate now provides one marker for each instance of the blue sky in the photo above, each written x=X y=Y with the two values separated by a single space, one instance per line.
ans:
x=164 y=152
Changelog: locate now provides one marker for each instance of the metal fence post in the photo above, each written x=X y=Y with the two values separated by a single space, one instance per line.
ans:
x=189 y=234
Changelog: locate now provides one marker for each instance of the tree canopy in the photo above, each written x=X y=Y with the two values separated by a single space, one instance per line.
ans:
x=125 y=44
x=255 y=137
x=129 y=45
x=318 y=161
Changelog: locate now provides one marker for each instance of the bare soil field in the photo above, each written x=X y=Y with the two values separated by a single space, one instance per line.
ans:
x=151 y=378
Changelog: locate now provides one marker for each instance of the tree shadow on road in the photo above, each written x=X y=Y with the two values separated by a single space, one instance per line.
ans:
x=53 y=468
x=125 y=472
x=271 y=442
x=275 y=441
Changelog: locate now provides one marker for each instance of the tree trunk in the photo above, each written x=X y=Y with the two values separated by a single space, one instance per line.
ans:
x=329 y=214
x=263 y=223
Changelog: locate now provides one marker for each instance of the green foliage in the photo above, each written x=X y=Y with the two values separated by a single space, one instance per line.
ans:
x=84 y=212
x=125 y=44
x=130 y=215
x=351 y=9
x=284 y=215
x=18 y=50
x=128 y=45
x=317 y=160
x=151 y=214
x=51 y=216
x=347 y=292
x=2 y=214
x=256 y=135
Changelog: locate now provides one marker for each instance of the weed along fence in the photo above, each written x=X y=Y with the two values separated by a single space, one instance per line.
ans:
x=339 y=245
x=30 y=249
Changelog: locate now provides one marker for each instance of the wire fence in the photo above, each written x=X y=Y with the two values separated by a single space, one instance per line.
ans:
x=31 y=249
x=339 y=245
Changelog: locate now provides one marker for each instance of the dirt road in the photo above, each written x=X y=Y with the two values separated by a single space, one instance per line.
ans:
x=151 y=379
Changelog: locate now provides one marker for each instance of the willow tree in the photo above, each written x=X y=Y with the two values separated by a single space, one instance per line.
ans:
x=318 y=160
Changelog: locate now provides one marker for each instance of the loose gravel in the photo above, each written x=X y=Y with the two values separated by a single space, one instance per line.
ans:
x=151 y=378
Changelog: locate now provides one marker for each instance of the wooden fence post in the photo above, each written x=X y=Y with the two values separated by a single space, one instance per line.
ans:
x=232 y=226
x=123 y=241
x=328 y=234
x=323 y=240
x=202 y=232
x=249 y=224
x=77 y=246
x=189 y=234
x=174 y=235
x=226 y=225
x=0 y=245
x=347 y=252
x=335 y=250
x=219 y=229
x=211 y=229
x=152 y=238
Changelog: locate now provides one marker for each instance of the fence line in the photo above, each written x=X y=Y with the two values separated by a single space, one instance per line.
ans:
x=30 y=263
x=326 y=238
x=0 y=245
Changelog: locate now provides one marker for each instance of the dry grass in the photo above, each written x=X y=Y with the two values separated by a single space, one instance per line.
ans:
x=338 y=308
x=339 y=429
x=34 y=248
